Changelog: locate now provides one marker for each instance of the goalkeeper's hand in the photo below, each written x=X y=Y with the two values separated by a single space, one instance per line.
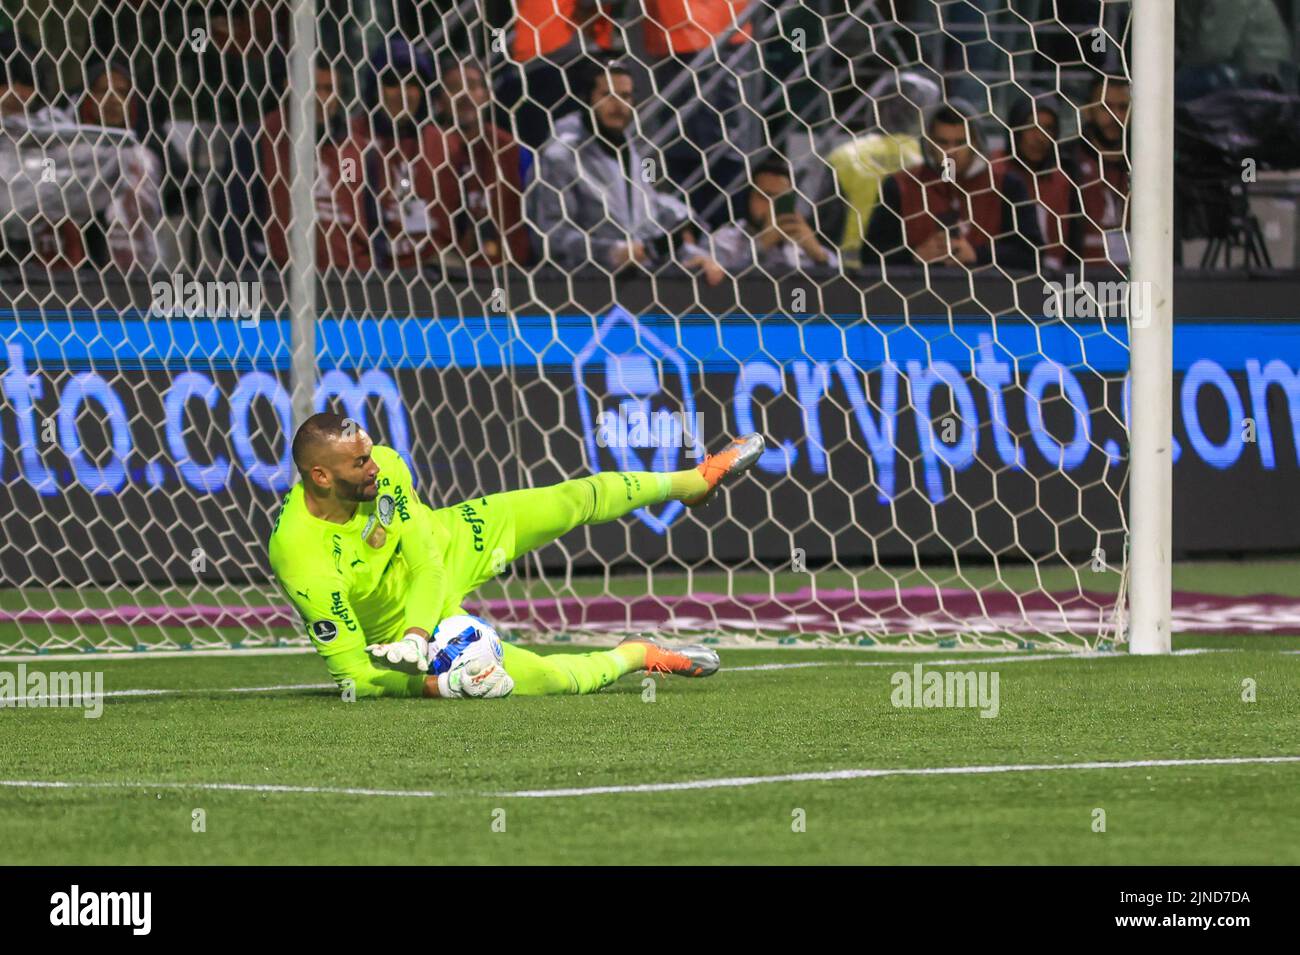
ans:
x=408 y=655
x=477 y=679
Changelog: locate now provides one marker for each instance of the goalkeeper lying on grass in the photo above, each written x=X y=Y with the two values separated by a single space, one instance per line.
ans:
x=373 y=570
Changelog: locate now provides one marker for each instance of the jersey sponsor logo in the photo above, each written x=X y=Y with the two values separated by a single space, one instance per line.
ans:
x=470 y=517
x=302 y=594
x=385 y=507
x=402 y=503
x=324 y=630
x=339 y=610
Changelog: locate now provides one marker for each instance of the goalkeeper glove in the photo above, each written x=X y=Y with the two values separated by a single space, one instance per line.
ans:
x=477 y=679
x=408 y=655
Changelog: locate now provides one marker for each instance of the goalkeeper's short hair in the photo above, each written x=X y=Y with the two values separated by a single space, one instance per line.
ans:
x=317 y=431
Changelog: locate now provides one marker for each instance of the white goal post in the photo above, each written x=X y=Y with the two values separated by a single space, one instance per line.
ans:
x=1152 y=343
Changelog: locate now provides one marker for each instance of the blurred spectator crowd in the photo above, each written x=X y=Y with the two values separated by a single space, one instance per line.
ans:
x=568 y=139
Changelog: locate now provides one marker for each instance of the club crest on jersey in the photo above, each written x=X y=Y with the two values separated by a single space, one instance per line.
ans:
x=385 y=507
x=324 y=630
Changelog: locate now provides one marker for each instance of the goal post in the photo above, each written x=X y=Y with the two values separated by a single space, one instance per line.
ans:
x=1151 y=342
x=302 y=222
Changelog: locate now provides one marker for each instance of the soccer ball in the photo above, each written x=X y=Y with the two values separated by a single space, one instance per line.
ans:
x=461 y=640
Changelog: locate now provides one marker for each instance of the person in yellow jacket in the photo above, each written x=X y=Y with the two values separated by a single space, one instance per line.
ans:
x=860 y=165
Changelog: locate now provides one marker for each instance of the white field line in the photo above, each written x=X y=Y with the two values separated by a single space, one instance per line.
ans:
x=967 y=661
x=837 y=774
x=100 y=656
x=226 y=787
x=725 y=782
x=73 y=699
x=122 y=655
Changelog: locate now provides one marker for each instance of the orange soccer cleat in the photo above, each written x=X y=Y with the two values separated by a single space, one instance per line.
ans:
x=736 y=458
x=693 y=660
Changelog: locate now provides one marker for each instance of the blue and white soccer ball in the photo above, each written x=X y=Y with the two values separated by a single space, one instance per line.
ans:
x=461 y=640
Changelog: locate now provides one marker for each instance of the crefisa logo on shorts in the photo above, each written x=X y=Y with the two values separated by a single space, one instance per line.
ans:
x=649 y=423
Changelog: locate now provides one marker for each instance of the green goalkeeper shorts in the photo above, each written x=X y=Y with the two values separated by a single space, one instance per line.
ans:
x=487 y=533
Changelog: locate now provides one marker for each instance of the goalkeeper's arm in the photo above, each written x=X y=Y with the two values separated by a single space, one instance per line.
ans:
x=336 y=635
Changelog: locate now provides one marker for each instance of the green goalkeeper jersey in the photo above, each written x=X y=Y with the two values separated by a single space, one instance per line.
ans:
x=365 y=581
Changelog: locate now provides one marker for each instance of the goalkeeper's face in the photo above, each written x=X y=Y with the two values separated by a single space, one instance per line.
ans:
x=353 y=473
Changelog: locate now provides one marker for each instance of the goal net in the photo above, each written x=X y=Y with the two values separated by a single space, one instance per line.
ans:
x=521 y=242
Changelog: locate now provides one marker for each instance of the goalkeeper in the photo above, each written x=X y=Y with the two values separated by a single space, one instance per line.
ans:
x=372 y=569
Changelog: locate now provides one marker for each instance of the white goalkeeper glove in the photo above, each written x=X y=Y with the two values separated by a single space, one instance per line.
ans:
x=478 y=679
x=408 y=655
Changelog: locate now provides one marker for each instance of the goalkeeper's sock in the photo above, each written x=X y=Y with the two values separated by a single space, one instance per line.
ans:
x=684 y=485
x=630 y=656
x=619 y=492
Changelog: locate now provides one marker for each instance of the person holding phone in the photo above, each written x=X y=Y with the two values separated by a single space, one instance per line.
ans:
x=775 y=236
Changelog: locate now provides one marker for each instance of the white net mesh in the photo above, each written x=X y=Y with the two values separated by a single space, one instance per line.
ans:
x=562 y=235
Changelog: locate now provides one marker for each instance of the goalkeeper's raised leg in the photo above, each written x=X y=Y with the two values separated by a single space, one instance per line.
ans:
x=498 y=528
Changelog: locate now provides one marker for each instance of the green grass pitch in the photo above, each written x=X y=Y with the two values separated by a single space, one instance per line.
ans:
x=288 y=773
x=742 y=723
